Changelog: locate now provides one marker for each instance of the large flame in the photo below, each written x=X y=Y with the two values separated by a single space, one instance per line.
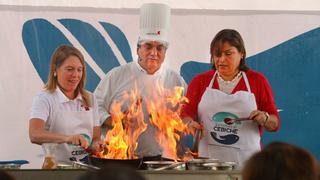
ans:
x=121 y=140
x=163 y=108
x=164 y=114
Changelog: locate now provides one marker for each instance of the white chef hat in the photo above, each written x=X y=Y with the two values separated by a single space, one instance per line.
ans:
x=154 y=22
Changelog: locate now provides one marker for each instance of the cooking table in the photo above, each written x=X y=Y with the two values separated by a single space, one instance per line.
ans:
x=73 y=174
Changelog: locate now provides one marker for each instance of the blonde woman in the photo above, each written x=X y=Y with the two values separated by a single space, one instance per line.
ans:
x=64 y=112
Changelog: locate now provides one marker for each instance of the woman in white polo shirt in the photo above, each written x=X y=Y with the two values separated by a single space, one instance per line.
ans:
x=64 y=112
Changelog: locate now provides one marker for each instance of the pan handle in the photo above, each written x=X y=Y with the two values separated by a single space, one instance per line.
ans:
x=78 y=164
x=196 y=139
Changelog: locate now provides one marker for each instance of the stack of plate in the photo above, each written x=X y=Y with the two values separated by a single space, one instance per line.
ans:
x=16 y=164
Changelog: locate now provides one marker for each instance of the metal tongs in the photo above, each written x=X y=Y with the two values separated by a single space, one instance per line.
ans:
x=170 y=166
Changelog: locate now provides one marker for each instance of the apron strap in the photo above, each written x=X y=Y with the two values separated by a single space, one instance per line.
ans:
x=246 y=81
x=212 y=80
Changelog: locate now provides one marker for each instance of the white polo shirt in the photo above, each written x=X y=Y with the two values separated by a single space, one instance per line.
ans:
x=46 y=106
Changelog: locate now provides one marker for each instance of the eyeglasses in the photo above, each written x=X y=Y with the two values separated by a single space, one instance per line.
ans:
x=161 y=48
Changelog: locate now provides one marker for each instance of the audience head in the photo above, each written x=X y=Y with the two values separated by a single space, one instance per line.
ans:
x=281 y=161
x=5 y=176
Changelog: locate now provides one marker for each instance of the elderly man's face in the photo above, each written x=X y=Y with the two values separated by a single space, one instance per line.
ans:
x=151 y=55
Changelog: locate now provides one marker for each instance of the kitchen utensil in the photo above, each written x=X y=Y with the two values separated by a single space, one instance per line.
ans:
x=80 y=165
x=164 y=165
x=170 y=166
x=230 y=121
x=101 y=162
x=196 y=139
x=221 y=166
x=198 y=164
x=65 y=166
x=151 y=165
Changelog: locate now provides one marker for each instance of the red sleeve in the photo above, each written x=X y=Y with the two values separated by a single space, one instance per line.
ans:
x=262 y=91
x=196 y=88
x=266 y=100
x=263 y=94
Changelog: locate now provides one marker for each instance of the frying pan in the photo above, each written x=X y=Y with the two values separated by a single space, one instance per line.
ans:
x=101 y=162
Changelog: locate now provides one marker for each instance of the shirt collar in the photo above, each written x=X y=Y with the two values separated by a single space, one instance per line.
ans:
x=63 y=98
x=145 y=72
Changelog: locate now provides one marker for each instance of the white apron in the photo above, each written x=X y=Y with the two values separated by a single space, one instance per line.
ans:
x=71 y=123
x=235 y=142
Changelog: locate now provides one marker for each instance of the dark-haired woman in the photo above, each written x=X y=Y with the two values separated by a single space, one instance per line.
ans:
x=230 y=90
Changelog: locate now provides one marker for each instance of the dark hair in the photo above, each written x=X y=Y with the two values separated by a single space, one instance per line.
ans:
x=114 y=172
x=58 y=58
x=281 y=161
x=5 y=175
x=234 y=39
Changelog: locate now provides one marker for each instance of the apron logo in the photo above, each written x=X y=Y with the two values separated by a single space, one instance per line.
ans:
x=78 y=152
x=227 y=139
x=222 y=132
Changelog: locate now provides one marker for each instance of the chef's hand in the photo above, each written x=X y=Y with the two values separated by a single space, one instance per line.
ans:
x=96 y=146
x=78 y=139
x=107 y=123
x=260 y=117
x=192 y=125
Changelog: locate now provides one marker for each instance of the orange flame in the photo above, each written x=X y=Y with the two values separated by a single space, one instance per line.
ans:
x=188 y=155
x=163 y=106
x=164 y=114
x=121 y=140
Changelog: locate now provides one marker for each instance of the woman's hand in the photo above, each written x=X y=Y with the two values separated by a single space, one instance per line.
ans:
x=192 y=125
x=262 y=118
x=77 y=139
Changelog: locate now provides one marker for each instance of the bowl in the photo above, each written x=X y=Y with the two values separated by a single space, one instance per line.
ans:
x=164 y=165
x=10 y=166
x=221 y=166
x=198 y=164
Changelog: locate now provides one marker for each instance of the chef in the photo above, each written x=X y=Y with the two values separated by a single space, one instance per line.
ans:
x=230 y=90
x=145 y=75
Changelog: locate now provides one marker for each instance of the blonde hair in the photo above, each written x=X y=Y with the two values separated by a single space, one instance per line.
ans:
x=57 y=59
